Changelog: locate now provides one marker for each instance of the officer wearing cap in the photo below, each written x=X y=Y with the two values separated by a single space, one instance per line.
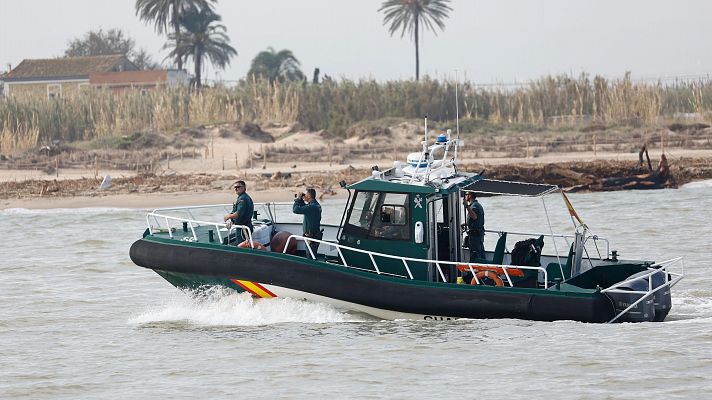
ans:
x=242 y=210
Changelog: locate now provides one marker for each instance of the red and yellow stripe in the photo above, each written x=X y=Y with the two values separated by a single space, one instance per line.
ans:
x=255 y=288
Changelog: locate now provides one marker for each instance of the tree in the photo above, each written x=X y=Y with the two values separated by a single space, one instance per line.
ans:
x=282 y=66
x=198 y=38
x=168 y=12
x=409 y=15
x=113 y=41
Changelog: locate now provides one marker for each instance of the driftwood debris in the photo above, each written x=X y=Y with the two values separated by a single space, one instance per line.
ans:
x=659 y=178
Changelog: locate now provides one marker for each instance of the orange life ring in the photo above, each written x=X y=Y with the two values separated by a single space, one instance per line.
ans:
x=498 y=270
x=487 y=275
x=255 y=245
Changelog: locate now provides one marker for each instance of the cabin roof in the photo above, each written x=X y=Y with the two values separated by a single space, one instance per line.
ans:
x=380 y=185
x=492 y=186
x=388 y=182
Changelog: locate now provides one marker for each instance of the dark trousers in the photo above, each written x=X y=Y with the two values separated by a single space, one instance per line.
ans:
x=476 y=244
x=241 y=235
x=313 y=245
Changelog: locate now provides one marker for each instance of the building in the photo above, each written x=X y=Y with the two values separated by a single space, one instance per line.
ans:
x=60 y=77
x=2 y=84
x=138 y=80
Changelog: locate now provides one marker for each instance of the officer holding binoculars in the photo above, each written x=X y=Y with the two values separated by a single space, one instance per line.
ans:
x=306 y=204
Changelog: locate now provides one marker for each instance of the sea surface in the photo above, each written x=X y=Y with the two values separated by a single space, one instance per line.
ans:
x=79 y=320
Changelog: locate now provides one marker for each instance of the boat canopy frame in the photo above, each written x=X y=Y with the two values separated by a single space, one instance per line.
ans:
x=509 y=188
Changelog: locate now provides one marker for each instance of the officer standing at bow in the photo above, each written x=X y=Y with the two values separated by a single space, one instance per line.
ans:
x=306 y=204
x=242 y=211
x=475 y=226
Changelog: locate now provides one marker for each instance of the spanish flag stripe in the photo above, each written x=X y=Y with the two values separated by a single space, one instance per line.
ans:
x=572 y=212
x=264 y=290
x=254 y=288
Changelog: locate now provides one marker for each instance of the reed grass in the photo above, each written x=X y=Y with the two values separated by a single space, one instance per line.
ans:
x=547 y=103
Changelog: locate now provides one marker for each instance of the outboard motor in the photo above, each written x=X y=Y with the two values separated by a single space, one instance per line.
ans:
x=643 y=311
x=661 y=299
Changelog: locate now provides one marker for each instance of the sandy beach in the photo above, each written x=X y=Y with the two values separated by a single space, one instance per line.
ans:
x=208 y=178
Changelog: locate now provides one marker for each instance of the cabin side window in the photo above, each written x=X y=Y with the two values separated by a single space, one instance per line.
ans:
x=392 y=220
x=362 y=211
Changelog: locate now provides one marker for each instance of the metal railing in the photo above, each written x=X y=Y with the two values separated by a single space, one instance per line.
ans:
x=471 y=266
x=595 y=238
x=268 y=207
x=192 y=224
x=670 y=280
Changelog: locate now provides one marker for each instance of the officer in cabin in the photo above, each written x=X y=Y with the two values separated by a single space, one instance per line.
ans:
x=306 y=204
x=475 y=226
x=242 y=211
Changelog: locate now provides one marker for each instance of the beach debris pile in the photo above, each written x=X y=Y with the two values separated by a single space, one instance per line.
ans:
x=572 y=176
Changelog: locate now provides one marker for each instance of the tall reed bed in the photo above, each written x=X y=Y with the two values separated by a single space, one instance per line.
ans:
x=334 y=106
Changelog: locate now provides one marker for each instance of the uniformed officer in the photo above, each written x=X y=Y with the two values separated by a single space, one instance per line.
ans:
x=307 y=205
x=475 y=226
x=242 y=210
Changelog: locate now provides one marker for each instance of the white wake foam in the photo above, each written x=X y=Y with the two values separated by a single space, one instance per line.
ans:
x=691 y=308
x=222 y=307
x=698 y=184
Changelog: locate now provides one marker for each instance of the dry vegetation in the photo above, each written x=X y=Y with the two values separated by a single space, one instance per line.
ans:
x=550 y=103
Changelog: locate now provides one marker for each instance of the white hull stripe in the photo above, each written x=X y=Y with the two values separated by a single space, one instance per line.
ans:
x=348 y=306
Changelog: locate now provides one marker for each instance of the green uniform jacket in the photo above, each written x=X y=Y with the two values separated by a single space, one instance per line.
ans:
x=312 y=216
x=476 y=226
x=244 y=208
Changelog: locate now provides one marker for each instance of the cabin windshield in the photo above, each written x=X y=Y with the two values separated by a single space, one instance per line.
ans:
x=380 y=215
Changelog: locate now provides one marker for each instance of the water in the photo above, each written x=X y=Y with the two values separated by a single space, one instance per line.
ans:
x=79 y=320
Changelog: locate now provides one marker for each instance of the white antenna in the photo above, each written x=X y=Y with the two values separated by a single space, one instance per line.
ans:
x=426 y=130
x=457 y=118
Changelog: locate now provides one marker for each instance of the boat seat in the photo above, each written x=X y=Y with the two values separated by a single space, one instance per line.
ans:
x=554 y=272
x=499 y=250
x=498 y=257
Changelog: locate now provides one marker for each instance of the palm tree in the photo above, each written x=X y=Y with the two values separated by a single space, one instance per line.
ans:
x=408 y=15
x=282 y=66
x=198 y=38
x=167 y=12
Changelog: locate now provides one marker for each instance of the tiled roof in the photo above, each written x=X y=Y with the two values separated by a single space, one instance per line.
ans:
x=70 y=66
x=128 y=77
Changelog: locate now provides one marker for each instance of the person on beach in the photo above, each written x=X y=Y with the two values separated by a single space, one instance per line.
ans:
x=306 y=204
x=242 y=211
x=475 y=226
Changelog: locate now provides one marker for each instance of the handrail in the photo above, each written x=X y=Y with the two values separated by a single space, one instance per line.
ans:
x=371 y=254
x=558 y=235
x=192 y=223
x=654 y=268
x=268 y=207
x=662 y=267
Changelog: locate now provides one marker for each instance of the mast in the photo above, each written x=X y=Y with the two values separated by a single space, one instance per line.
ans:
x=457 y=119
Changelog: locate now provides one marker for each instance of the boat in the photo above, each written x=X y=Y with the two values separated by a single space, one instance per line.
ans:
x=399 y=253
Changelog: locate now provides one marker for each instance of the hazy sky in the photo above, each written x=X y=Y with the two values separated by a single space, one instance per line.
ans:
x=488 y=41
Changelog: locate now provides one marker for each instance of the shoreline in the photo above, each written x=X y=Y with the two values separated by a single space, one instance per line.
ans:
x=197 y=186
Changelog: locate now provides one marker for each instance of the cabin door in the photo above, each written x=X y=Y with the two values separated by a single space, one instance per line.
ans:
x=444 y=216
x=456 y=211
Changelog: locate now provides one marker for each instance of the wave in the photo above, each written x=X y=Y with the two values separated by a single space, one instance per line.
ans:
x=67 y=211
x=698 y=185
x=223 y=307
x=688 y=309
